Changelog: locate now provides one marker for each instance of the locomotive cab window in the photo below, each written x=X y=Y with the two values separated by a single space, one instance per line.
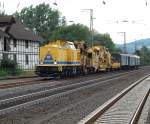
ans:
x=69 y=46
x=72 y=46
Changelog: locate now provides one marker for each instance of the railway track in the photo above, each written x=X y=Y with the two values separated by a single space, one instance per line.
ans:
x=139 y=109
x=38 y=80
x=21 y=82
x=23 y=101
x=47 y=84
x=16 y=77
x=9 y=83
x=113 y=112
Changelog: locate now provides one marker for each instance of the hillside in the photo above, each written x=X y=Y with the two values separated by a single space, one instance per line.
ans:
x=139 y=44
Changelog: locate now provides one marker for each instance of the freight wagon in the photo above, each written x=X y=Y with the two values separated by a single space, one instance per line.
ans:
x=127 y=61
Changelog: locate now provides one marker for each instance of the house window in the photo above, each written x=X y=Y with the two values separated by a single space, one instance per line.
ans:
x=15 y=57
x=26 y=44
x=27 y=60
x=5 y=56
x=6 y=44
x=15 y=43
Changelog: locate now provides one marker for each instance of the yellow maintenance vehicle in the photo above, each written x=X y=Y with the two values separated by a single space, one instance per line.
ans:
x=99 y=58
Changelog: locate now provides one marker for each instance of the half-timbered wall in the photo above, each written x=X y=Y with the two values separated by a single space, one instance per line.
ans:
x=1 y=40
x=26 y=53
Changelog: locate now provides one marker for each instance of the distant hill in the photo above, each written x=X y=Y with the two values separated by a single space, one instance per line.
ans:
x=139 y=44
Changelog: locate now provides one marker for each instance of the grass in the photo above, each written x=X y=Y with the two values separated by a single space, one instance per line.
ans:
x=10 y=72
x=28 y=73
x=5 y=72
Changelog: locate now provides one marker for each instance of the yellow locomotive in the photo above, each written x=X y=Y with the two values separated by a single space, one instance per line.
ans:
x=65 y=58
x=57 y=58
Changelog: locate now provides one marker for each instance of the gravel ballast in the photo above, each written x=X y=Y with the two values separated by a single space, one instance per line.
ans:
x=71 y=108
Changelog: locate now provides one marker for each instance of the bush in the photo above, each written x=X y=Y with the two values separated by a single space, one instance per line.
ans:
x=10 y=72
x=9 y=67
x=7 y=63
x=3 y=72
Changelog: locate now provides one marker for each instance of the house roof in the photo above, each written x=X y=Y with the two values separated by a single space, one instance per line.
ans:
x=3 y=34
x=6 y=20
x=18 y=30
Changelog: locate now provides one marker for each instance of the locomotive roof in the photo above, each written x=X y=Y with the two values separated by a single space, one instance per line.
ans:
x=61 y=44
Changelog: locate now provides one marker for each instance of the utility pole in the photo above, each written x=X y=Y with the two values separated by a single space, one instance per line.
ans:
x=124 y=47
x=135 y=46
x=91 y=25
x=91 y=30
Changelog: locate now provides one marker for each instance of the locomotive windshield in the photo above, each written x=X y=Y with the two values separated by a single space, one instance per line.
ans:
x=69 y=45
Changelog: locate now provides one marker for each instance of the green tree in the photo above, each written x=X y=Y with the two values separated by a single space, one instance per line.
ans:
x=41 y=18
x=144 y=54
x=79 y=32
x=104 y=39
x=62 y=22
x=74 y=32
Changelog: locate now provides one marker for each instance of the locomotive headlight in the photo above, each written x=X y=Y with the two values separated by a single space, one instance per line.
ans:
x=55 y=62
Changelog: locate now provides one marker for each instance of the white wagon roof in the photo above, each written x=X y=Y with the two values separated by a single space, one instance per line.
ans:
x=130 y=55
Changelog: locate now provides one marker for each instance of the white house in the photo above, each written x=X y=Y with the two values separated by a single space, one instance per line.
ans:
x=18 y=42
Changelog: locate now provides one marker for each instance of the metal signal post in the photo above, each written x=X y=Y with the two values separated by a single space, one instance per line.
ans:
x=125 y=47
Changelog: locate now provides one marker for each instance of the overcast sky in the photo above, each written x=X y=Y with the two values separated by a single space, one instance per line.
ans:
x=109 y=18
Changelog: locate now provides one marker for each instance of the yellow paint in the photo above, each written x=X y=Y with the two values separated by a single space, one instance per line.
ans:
x=97 y=57
x=61 y=51
x=100 y=58
x=116 y=65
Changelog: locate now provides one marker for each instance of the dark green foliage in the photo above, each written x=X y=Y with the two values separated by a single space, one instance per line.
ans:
x=10 y=71
x=74 y=32
x=118 y=50
x=104 y=39
x=79 y=32
x=9 y=67
x=7 y=63
x=41 y=18
x=144 y=53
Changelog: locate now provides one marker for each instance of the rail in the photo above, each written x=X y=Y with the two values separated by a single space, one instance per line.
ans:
x=42 y=96
x=92 y=117
x=137 y=114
